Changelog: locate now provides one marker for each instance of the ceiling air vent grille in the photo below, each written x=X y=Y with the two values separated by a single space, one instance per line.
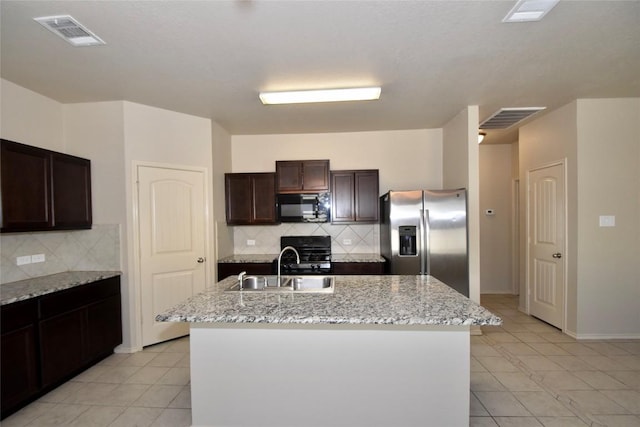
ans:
x=506 y=117
x=69 y=29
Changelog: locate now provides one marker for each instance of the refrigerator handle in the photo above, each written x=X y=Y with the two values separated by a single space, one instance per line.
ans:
x=423 y=241
x=426 y=235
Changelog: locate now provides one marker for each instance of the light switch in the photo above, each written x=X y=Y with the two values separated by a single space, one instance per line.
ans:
x=607 y=221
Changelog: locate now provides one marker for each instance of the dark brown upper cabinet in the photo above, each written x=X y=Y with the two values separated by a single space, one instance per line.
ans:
x=250 y=198
x=301 y=176
x=354 y=196
x=43 y=190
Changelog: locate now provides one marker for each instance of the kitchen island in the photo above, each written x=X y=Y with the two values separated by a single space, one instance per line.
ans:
x=378 y=351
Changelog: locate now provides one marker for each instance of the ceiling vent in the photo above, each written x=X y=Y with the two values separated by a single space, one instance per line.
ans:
x=69 y=29
x=506 y=117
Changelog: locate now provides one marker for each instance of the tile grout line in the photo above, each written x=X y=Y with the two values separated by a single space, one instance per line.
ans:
x=584 y=415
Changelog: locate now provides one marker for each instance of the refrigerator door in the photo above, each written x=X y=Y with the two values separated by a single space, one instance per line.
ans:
x=446 y=215
x=401 y=231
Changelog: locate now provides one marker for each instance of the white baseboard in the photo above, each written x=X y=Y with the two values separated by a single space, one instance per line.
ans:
x=122 y=349
x=496 y=292
x=606 y=336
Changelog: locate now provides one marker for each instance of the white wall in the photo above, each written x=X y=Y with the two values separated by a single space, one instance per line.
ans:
x=599 y=138
x=495 y=230
x=460 y=162
x=609 y=184
x=164 y=137
x=221 y=150
x=96 y=131
x=30 y=118
x=552 y=138
x=406 y=159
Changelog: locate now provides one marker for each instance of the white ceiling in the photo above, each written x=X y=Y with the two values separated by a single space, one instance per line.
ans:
x=432 y=58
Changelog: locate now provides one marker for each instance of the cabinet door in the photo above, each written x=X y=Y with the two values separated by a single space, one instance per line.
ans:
x=19 y=361
x=25 y=181
x=238 y=198
x=342 y=197
x=263 y=198
x=354 y=196
x=104 y=327
x=289 y=176
x=19 y=366
x=71 y=192
x=366 y=196
x=62 y=349
x=315 y=175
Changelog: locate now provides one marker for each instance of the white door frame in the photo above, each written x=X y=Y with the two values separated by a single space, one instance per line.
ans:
x=515 y=236
x=136 y=266
x=565 y=254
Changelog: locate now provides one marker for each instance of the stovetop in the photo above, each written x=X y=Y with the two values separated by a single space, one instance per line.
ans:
x=315 y=254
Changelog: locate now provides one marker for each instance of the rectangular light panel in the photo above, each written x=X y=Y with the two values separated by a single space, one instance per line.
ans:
x=325 y=95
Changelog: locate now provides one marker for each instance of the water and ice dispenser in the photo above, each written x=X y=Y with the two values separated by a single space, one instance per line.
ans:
x=408 y=243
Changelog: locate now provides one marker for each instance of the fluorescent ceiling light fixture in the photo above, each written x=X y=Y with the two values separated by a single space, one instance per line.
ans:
x=529 y=10
x=69 y=29
x=324 y=95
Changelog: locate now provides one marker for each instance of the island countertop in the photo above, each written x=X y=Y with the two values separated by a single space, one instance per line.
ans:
x=371 y=300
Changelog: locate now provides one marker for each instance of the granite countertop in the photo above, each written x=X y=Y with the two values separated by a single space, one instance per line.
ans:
x=248 y=258
x=267 y=258
x=383 y=300
x=38 y=286
x=356 y=258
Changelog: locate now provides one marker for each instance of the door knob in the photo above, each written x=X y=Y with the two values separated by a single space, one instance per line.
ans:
x=201 y=260
x=557 y=255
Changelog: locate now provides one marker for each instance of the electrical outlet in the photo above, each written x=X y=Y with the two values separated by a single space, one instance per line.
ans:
x=346 y=242
x=251 y=242
x=23 y=260
x=38 y=258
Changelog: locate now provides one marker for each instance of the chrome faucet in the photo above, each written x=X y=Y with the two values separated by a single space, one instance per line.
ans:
x=280 y=260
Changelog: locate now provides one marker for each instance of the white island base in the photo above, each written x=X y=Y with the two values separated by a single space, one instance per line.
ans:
x=248 y=374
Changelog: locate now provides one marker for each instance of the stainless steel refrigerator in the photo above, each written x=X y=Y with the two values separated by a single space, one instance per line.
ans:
x=425 y=232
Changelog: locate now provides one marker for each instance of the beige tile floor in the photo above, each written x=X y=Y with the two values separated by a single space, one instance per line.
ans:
x=527 y=373
x=523 y=373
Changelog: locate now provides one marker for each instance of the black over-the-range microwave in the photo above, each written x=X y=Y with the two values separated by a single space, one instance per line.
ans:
x=314 y=207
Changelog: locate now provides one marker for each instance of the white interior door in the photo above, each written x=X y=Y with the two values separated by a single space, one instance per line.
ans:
x=172 y=233
x=546 y=237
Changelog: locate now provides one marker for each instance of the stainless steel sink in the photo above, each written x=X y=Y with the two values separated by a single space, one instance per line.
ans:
x=297 y=284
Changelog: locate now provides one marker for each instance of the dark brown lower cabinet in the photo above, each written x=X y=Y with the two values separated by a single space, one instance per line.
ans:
x=61 y=346
x=358 y=268
x=226 y=269
x=47 y=340
x=19 y=357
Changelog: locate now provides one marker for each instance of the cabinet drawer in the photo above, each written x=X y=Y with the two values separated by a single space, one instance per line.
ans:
x=18 y=314
x=70 y=299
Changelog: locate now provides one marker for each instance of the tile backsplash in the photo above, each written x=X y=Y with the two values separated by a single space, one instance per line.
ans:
x=345 y=239
x=97 y=249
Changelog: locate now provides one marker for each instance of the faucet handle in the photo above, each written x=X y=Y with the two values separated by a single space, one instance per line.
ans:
x=241 y=278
